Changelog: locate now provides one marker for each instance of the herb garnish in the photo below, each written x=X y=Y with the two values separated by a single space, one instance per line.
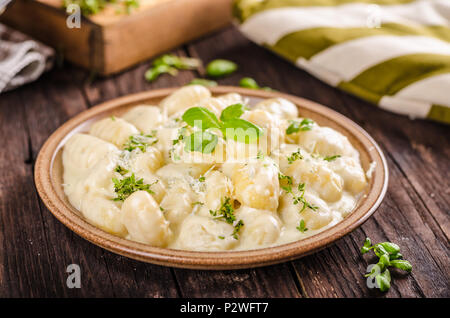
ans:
x=331 y=158
x=302 y=227
x=295 y=126
x=140 y=142
x=127 y=186
x=300 y=198
x=230 y=124
x=170 y=64
x=226 y=213
x=121 y=170
x=389 y=255
x=249 y=82
x=294 y=156
x=220 y=68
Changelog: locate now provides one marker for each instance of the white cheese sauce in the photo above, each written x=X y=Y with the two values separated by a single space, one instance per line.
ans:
x=135 y=177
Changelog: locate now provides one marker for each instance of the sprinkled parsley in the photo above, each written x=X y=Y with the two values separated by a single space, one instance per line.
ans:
x=140 y=142
x=202 y=179
x=295 y=126
x=302 y=227
x=331 y=158
x=285 y=177
x=294 y=156
x=300 y=198
x=121 y=170
x=127 y=186
x=226 y=213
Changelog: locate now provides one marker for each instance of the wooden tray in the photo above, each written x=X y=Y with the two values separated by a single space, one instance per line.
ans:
x=109 y=42
x=48 y=178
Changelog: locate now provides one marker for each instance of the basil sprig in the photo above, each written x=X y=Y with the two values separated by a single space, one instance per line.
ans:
x=230 y=123
x=389 y=256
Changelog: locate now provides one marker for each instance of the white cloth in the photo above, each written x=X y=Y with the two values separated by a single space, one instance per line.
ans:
x=22 y=60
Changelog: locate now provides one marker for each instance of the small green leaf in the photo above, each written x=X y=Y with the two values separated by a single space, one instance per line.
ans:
x=248 y=82
x=384 y=259
x=379 y=250
x=383 y=280
x=402 y=264
x=295 y=126
x=201 y=117
x=389 y=247
x=201 y=141
x=367 y=242
x=302 y=226
x=241 y=130
x=153 y=73
x=180 y=62
x=232 y=111
x=395 y=256
x=331 y=158
x=203 y=82
x=220 y=67
x=364 y=250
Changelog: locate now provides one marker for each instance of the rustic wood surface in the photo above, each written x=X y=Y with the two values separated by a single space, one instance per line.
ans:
x=35 y=249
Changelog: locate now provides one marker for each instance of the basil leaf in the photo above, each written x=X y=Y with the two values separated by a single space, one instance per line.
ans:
x=232 y=111
x=201 y=117
x=241 y=130
x=383 y=280
x=248 y=82
x=295 y=126
x=389 y=247
x=201 y=141
x=220 y=67
x=402 y=264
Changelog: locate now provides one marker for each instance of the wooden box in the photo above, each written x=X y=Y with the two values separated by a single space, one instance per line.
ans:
x=109 y=42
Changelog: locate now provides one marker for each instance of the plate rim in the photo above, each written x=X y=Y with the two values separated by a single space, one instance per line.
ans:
x=215 y=260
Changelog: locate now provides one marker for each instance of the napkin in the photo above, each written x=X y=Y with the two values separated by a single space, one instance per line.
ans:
x=393 y=53
x=22 y=59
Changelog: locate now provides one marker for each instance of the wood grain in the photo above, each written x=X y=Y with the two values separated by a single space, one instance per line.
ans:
x=35 y=248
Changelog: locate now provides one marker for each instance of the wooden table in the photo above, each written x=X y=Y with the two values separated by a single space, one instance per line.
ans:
x=35 y=249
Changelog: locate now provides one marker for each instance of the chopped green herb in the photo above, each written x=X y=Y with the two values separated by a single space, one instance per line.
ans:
x=237 y=229
x=113 y=118
x=226 y=213
x=121 y=170
x=140 y=142
x=260 y=155
x=202 y=179
x=127 y=186
x=179 y=62
x=248 y=82
x=162 y=209
x=294 y=156
x=302 y=227
x=154 y=72
x=198 y=203
x=331 y=158
x=220 y=67
x=89 y=7
x=295 y=126
x=284 y=177
x=221 y=237
x=389 y=256
x=300 y=198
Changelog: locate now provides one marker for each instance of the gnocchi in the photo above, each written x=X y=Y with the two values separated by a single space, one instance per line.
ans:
x=147 y=175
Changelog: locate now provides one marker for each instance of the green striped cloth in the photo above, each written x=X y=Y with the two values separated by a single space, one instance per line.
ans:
x=394 y=53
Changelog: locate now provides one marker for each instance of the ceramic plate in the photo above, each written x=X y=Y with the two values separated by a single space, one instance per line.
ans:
x=48 y=178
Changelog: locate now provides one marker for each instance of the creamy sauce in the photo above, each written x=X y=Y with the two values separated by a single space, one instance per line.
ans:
x=283 y=188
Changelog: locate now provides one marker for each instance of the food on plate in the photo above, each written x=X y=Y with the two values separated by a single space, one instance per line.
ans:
x=212 y=173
